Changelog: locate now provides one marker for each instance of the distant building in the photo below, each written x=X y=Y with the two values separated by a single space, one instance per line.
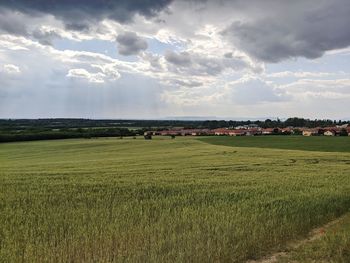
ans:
x=253 y=132
x=310 y=132
x=221 y=131
x=196 y=132
x=246 y=127
x=237 y=132
x=329 y=133
x=344 y=126
x=170 y=132
x=269 y=131
x=148 y=135
x=287 y=130
x=184 y=132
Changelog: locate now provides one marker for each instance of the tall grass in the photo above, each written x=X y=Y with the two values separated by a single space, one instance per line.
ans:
x=333 y=246
x=181 y=200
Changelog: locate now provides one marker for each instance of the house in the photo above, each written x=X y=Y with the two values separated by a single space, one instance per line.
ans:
x=336 y=131
x=287 y=130
x=269 y=131
x=310 y=132
x=170 y=132
x=253 y=132
x=246 y=127
x=344 y=126
x=204 y=132
x=221 y=131
x=237 y=132
x=195 y=132
x=330 y=133
x=184 y=132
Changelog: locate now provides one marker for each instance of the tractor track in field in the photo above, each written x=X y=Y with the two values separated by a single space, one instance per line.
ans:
x=313 y=235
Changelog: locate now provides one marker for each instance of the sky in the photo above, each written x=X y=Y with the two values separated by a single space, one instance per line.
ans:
x=161 y=58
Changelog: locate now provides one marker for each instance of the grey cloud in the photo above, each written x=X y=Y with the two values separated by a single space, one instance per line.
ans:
x=256 y=91
x=45 y=38
x=294 y=29
x=201 y=64
x=228 y=55
x=79 y=14
x=185 y=83
x=209 y=66
x=178 y=59
x=77 y=26
x=129 y=43
x=153 y=60
x=21 y=24
x=12 y=23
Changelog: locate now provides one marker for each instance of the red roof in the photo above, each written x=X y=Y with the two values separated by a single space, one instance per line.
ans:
x=268 y=130
x=221 y=130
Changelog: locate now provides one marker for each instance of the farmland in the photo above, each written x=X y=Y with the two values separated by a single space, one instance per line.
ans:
x=164 y=200
x=315 y=143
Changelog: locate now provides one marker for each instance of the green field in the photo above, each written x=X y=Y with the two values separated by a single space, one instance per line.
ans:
x=164 y=200
x=314 y=143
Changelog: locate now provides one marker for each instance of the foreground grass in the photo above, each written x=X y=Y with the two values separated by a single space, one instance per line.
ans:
x=315 y=143
x=333 y=246
x=163 y=200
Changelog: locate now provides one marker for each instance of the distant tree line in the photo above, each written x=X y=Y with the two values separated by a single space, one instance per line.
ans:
x=49 y=124
x=46 y=129
x=37 y=134
x=268 y=123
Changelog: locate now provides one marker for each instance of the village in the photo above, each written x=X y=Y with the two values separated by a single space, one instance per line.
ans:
x=255 y=130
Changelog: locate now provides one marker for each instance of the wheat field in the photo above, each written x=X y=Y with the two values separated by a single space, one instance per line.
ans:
x=162 y=200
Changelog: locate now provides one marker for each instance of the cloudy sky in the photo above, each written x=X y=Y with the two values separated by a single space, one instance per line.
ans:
x=159 y=58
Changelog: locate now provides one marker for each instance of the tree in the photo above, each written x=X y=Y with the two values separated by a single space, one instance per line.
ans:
x=148 y=136
x=343 y=132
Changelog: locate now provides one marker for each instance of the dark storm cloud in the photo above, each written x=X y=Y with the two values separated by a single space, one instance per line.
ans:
x=129 y=43
x=269 y=30
x=294 y=29
x=78 y=14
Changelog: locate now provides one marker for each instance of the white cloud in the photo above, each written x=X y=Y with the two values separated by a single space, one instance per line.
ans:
x=316 y=88
x=252 y=90
x=109 y=70
x=248 y=90
x=84 y=74
x=11 y=69
x=299 y=74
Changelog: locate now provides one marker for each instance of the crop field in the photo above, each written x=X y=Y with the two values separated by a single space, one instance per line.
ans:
x=314 y=143
x=171 y=200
